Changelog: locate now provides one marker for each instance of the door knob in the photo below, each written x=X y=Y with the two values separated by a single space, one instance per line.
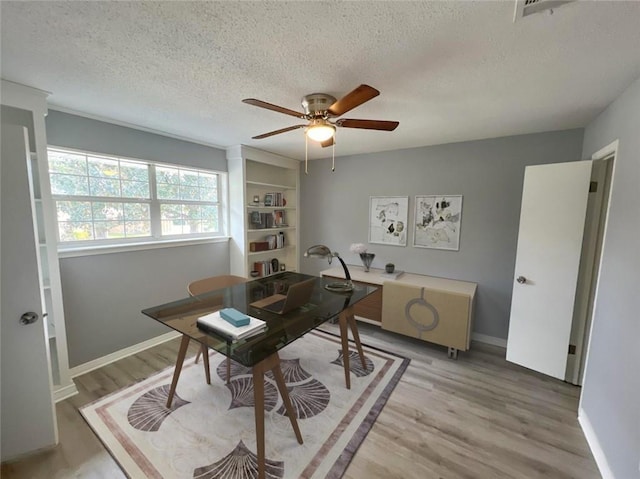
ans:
x=521 y=279
x=29 y=317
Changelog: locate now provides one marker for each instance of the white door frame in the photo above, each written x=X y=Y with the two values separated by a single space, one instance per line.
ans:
x=609 y=151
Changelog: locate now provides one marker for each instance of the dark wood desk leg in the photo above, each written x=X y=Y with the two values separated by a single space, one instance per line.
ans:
x=205 y=361
x=344 y=335
x=228 y=363
x=271 y=363
x=182 y=352
x=356 y=336
x=284 y=393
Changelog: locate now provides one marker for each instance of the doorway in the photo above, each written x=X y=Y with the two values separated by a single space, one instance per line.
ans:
x=594 y=228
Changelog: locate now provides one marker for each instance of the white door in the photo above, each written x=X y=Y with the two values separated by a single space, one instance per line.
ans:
x=554 y=203
x=28 y=421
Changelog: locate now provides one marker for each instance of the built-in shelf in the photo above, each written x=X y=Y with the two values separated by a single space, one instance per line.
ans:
x=255 y=207
x=271 y=230
x=270 y=251
x=253 y=174
x=271 y=185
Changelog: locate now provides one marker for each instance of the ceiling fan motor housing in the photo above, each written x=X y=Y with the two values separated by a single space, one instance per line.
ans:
x=316 y=104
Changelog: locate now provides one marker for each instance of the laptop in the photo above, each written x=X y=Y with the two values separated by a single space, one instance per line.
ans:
x=298 y=295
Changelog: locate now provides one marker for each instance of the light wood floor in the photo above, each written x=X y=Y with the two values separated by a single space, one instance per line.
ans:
x=475 y=417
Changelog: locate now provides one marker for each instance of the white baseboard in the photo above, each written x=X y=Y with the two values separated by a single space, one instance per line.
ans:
x=483 y=338
x=123 y=353
x=62 y=393
x=594 y=445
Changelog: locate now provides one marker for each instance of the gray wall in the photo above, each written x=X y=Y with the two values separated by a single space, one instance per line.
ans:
x=611 y=390
x=103 y=294
x=71 y=131
x=488 y=173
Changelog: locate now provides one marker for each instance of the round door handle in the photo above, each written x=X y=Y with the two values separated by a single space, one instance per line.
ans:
x=521 y=279
x=29 y=318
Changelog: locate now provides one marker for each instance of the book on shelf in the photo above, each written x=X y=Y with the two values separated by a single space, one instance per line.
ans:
x=213 y=322
x=279 y=218
x=274 y=199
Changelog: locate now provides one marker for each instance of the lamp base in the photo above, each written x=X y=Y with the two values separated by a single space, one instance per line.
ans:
x=339 y=286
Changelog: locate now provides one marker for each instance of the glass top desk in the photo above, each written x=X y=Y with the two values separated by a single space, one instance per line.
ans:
x=260 y=352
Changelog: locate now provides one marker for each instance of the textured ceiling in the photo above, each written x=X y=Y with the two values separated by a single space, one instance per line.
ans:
x=447 y=71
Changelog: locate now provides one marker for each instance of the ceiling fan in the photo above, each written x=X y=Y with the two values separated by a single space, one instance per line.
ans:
x=320 y=108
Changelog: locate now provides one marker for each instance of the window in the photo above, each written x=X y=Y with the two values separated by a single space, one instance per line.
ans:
x=108 y=200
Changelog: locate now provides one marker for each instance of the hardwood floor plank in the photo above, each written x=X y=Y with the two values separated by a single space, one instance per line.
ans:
x=475 y=417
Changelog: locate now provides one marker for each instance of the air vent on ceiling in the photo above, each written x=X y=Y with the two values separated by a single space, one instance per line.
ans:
x=528 y=7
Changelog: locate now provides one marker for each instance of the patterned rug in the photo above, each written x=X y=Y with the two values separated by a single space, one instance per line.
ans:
x=209 y=431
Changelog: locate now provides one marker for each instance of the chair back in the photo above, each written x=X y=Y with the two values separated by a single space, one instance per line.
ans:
x=212 y=283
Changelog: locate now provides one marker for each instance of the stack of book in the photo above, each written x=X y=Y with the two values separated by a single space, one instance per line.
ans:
x=264 y=268
x=215 y=323
x=274 y=199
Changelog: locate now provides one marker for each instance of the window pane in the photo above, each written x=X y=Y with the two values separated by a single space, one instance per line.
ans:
x=69 y=185
x=167 y=175
x=191 y=211
x=73 y=210
x=75 y=231
x=101 y=181
x=137 y=228
x=210 y=213
x=168 y=212
x=188 y=178
x=109 y=229
x=208 y=181
x=189 y=193
x=136 y=211
x=168 y=192
x=60 y=162
x=104 y=187
x=135 y=189
x=108 y=211
x=209 y=226
x=171 y=228
x=134 y=171
x=103 y=167
x=208 y=194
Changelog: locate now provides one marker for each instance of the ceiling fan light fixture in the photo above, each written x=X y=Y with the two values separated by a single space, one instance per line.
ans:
x=320 y=130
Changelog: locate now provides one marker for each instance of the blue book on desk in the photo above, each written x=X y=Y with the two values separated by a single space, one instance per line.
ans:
x=215 y=323
x=234 y=317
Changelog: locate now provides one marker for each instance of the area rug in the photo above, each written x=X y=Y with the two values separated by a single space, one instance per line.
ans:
x=209 y=431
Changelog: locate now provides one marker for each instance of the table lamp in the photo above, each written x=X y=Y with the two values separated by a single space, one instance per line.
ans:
x=321 y=251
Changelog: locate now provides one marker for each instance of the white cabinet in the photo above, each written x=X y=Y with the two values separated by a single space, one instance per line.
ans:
x=264 y=199
x=27 y=107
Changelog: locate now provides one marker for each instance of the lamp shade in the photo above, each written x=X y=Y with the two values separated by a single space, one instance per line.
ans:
x=318 y=251
x=322 y=251
x=320 y=130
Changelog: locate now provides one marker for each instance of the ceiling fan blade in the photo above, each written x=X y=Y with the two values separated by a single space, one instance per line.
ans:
x=328 y=142
x=368 y=124
x=277 y=132
x=269 y=106
x=353 y=99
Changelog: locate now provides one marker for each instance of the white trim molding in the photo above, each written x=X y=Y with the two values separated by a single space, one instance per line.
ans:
x=62 y=393
x=594 y=445
x=123 y=353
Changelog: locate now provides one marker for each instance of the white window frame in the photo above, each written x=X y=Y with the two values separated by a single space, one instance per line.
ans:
x=156 y=240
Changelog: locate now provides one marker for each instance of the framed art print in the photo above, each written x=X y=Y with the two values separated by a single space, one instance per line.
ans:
x=437 y=222
x=388 y=217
